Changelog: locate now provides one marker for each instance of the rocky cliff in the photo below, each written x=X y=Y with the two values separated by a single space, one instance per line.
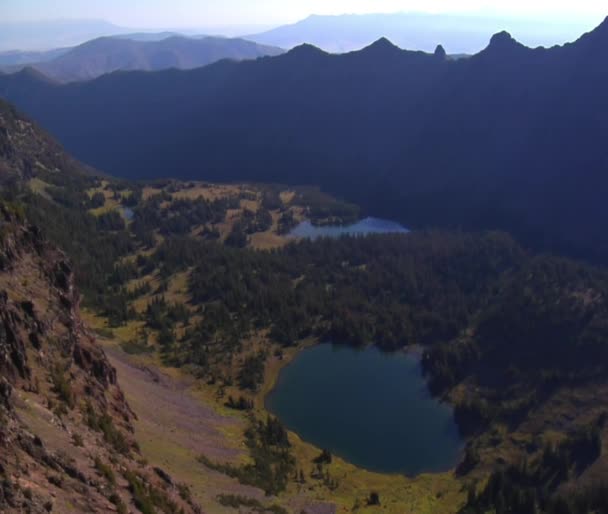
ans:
x=66 y=438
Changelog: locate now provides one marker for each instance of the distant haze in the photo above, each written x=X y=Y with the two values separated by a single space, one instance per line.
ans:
x=242 y=17
x=44 y=35
x=208 y=13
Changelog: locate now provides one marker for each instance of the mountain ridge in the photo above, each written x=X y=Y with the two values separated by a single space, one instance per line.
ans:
x=464 y=34
x=426 y=141
x=109 y=54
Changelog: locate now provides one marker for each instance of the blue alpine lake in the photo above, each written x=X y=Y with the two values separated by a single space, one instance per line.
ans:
x=371 y=408
x=363 y=227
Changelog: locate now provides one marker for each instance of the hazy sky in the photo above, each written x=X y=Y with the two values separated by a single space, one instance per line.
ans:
x=207 y=13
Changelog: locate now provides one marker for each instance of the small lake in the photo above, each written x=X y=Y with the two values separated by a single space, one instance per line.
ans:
x=363 y=227
x=371 y=408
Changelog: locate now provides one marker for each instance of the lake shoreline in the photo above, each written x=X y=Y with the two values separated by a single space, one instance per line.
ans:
x=271 y=382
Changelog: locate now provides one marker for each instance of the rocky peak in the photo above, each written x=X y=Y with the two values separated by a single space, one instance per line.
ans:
x=382 y=46
x=440 y=52
x=502 y=46
x=502 y=40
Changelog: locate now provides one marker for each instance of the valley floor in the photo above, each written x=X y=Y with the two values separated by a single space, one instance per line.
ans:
x=180 y=418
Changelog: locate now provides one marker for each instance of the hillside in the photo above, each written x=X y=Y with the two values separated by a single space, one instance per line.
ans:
x=134 y=52
x=406 y=135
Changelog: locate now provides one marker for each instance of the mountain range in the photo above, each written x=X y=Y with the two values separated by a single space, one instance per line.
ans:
x=146 y=52
x=459 y=34
x=408 y=135
x=12 y=60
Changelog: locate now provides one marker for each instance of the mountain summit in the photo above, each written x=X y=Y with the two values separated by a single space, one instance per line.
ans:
x=382 y=45
x=440 y=52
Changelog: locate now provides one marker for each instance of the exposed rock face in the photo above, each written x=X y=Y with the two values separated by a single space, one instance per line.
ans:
x=38 y=300
x=66 y=438
x=440 y=52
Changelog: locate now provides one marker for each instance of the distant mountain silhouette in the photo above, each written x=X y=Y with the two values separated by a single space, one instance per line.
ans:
x=511 y=138
x=14 y=60
x=459 y=34
x=146 y=52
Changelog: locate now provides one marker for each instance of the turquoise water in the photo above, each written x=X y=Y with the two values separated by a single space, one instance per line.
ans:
x=365 y=226
x=370 y=408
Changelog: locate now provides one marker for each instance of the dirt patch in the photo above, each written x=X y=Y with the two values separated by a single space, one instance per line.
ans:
x=169 y=406
x=174 y=426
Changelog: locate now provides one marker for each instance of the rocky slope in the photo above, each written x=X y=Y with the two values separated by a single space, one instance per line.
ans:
x=66 y=435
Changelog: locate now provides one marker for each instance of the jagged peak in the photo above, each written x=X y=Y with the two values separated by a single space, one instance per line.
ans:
x=383 y=44
x=440 y=52
x=502 y=39
x=502 y=43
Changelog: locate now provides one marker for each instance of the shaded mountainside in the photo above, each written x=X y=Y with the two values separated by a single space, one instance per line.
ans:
x=110 y=54
x=66 y=437
x=25 y=150
x=407 y=135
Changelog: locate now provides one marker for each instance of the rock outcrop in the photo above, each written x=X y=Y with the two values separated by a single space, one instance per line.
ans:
x=66 y=433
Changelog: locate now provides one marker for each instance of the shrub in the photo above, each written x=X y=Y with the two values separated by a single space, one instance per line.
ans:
x=61 y=386
x=105 y=471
